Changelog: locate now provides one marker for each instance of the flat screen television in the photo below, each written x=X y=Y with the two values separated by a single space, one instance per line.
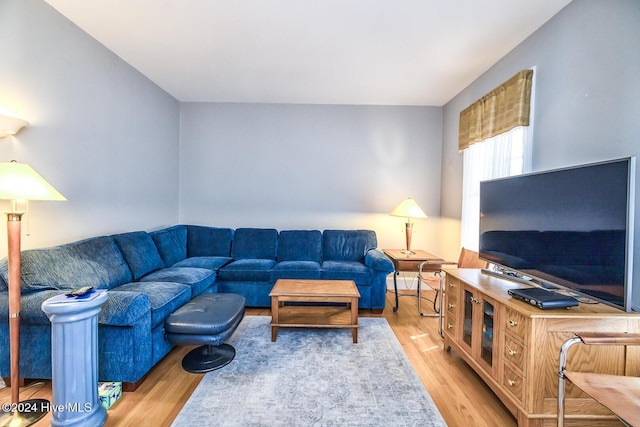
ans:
x=569 y=228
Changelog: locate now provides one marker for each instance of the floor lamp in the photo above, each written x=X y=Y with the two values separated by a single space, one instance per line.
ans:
x=408 y=208
x=19 y=182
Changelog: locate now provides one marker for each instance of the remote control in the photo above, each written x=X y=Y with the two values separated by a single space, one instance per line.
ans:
x=80 y=292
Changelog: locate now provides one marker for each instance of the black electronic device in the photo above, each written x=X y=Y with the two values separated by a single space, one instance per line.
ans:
x=80 y=292
x=569 y=228
x=543 y=298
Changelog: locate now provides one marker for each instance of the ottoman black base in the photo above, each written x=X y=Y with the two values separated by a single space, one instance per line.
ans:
x=208 y=358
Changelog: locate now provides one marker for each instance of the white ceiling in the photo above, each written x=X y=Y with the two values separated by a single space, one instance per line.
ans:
x=377 y=52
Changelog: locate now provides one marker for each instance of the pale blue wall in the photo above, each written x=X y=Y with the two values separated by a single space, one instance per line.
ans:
x=310 y=166
x=102 y=133
x=587 y=96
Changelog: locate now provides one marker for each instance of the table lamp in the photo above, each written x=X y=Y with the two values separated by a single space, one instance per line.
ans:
x=19 y=182
x=408 y=208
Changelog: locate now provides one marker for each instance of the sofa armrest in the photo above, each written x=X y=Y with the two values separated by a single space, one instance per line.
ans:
x=377 y=260
x=30 y=307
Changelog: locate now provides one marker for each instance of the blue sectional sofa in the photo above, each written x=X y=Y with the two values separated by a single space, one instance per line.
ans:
x=149 y=275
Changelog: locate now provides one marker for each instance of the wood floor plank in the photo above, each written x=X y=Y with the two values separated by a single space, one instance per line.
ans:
x=460 y=395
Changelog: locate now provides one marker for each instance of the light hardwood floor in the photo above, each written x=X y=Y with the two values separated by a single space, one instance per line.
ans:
x=460 y=395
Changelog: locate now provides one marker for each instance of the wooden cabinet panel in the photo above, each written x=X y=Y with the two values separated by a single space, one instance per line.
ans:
x=514 y=347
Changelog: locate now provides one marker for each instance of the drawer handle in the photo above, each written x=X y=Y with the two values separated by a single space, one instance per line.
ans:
x=511 y=382
x=513 y=323
x=450 y=305
x=449 y=326
x=512 y=352
x=451 y=285
x=475 y=300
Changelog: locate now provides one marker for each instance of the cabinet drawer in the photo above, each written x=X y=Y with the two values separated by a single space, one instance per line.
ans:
x=452 y=286
x=452 y=304
x=514 y=383
x=517 y=324
x=515 y=353
x=450 y=325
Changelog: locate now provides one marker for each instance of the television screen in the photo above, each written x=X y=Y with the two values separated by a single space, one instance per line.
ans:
x=569 y=228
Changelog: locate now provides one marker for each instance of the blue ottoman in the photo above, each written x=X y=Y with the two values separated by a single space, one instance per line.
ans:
x=207 y=320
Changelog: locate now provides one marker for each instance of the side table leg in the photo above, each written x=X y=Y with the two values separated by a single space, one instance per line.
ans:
x=395 y=288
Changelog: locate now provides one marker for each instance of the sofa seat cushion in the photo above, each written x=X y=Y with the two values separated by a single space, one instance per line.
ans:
x=346 y=270
x=140 y=252
x=164 y=297
x=198 y=279
x=247 y=270
x=210 y=262
x=295 y=270
x=124 y=308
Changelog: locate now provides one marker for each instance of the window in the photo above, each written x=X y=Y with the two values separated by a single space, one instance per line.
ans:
x=494 y=135
x=503 y=155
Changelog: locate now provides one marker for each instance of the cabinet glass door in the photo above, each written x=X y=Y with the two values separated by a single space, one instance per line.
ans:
x=487 y=332
x=467 y=324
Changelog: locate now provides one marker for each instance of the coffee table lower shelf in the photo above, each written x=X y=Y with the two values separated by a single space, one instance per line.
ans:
x=314 y=317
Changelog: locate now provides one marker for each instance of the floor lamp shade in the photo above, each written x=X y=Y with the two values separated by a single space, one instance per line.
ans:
x=19 y=182
x=408 y=208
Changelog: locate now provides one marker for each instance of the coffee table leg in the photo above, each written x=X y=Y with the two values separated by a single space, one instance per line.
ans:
x=275 y=306
x=354 y=319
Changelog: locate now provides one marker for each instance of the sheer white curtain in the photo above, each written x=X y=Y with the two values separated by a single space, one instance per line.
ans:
x=503 y=155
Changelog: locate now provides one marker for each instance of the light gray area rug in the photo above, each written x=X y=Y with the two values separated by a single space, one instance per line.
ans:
x=312 y=377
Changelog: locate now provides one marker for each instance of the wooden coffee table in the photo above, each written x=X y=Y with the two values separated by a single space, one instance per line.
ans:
x=314 y=316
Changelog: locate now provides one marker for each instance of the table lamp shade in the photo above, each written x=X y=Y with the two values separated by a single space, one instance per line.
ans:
x=408 y=208
x=19 y=181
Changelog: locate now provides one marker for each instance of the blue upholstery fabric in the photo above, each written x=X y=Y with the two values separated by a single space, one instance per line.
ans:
x=124 y=308
x=347 y=270
x=378 y=261
x=198 y=279
x=295 y=270
x=254 y=243
x=347 y=245
x=256 y=293
x=124 y=352
x=93 y=262
x=300 y=245
x=140 y=252
x=165 y=297
x=171 y=243
x=208 y=241
x=247 y=269
x=210 y=262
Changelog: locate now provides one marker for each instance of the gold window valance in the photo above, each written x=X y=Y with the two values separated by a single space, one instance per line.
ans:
x=502 y=109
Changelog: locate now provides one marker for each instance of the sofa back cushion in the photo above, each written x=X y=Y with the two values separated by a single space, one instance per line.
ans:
x=255 y=243
x=171 y=243
x=300 y=245
x=140 y=252
x=208 y=241
x=93 y=262
x=347 y=245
